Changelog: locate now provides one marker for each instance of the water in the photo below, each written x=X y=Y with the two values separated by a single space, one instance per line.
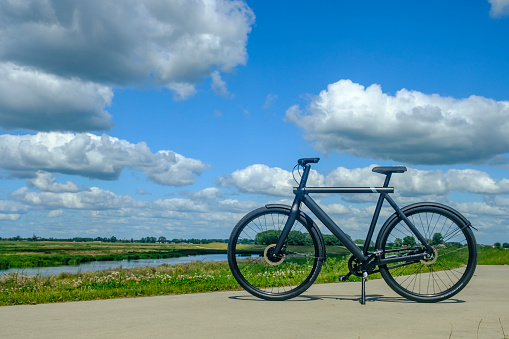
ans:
x=106 y=265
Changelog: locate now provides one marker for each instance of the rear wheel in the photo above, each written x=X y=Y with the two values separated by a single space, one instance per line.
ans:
x=258 y=271
x=446 y=272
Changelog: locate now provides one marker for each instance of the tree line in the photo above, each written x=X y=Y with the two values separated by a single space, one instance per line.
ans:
x=114 y=239
x=268 y=237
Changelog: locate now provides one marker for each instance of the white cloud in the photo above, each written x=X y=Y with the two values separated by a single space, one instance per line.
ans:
x=485 y=204
x=476 y=182
x=10 y=217
x=55 y=213
x=261 y=179
x=165 y=40
x=271 y=98
x=59 y=60
x=35 y=100
x=92 y=156
x=12 y=210
x=219 y=85
x=95 y=211
x=204 y=213
x=266 y=180
x=45 y=182
x=8 y=206
x=499 y=8
x=91 y=199
x=181 y=90
x=142 y=192
x=211 y=193
x=410 y=127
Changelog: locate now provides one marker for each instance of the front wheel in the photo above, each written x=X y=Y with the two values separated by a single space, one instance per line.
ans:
x=262 y=274
x=444 y=274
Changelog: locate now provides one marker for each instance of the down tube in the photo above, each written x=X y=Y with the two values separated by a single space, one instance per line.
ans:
x=331 y=225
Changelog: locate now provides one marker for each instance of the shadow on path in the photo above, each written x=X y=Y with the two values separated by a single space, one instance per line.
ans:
x=369 y=298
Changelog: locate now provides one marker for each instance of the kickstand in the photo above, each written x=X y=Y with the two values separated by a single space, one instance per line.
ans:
x=363 y=292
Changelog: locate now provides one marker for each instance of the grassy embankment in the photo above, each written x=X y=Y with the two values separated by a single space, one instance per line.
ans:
x=17 y=289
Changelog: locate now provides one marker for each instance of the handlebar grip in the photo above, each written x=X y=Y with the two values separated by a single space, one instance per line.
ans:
x=305 y=161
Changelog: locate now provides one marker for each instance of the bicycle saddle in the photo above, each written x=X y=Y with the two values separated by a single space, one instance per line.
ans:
x=389 y=169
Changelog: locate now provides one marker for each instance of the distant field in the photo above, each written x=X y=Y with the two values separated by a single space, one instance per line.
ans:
x=22 y=254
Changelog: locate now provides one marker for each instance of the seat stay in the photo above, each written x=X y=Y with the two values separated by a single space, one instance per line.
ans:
x=410 y=225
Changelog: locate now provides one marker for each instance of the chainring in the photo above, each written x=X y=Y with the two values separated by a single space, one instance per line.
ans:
x=353 y=264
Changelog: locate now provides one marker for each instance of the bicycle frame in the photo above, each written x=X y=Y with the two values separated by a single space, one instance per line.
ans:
x=302 y=196
x=402 y=255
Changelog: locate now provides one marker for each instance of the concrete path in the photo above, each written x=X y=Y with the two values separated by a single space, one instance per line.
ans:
x=481 y=310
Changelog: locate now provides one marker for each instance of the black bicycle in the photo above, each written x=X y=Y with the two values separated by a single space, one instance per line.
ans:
x=425 y=252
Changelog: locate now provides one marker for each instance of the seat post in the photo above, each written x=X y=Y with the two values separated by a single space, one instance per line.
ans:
x=387 y=179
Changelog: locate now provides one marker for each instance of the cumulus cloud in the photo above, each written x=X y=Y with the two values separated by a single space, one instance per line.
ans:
x=181 y=90
x=102 y=157
x=35 y=100
x=409 y=127
x=12 y=210
x=91 y=199
x=46 y=182
x=201 y=214
x=211 y=193
x=488 y=211
x=262 y=179
x=499 y=8
x=60 y=60
x=165 y=40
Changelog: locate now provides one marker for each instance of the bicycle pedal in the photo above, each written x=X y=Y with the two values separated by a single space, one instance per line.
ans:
x=345 y=277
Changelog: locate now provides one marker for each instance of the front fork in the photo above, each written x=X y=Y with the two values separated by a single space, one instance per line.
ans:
x=294 y=212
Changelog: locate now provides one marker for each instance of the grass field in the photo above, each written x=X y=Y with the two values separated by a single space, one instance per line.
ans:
x=16 y=289
x=23 y=254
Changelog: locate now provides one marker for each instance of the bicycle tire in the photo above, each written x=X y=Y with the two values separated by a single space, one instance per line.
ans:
x=452 y=265
x=255 y=234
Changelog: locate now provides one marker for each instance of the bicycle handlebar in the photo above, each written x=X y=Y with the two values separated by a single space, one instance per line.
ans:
x=305 y=161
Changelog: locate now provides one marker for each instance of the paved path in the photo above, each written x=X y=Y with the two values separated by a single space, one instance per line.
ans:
x=481 y=310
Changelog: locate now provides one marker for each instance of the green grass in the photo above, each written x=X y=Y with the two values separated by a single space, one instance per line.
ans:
x=492 y=256
x=16 y=289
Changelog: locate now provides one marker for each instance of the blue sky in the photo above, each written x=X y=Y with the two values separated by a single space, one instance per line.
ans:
x=176 y=118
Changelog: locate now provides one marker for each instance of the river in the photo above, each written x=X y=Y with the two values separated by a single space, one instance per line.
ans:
x=105 y=265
